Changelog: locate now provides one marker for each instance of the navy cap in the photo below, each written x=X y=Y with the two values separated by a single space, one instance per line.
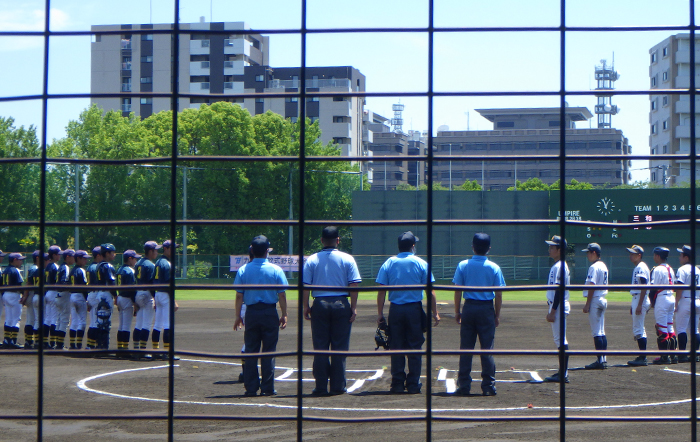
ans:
x=260 y=245
x=81 y=254
x=330 y=232
x=556 y=241
x=96 y=250
x=481 y=239
x=407 y=239
x=592 y=247
x=67 y=252
x=131 y=254
x=46 y=256
x=686 y=250
x=36 y=253
x=12 y=256
x=54 y=250
x=635 y=249
x=152 y=245
x=168 y=243
x=661 y=251
x=107 y=247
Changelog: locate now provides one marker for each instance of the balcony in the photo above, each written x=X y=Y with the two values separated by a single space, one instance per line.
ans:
x=683 y=81
x=199 y=87
x=236 y=46
x=199 y=68
x=234 y=87
x=126 y=66
x=234 y=67
x=343 y=83
x=199 y=47
x=126 y=107
x=126 y=87
x=684 y=131
x=126 y=44
x=683 y=107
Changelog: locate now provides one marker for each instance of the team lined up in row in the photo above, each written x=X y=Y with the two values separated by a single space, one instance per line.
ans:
x=669 y=336
x=89 y=290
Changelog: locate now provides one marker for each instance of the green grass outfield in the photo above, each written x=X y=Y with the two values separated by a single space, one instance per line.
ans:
x=442 y=295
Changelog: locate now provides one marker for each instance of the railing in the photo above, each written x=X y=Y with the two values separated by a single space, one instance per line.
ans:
x=126 y=87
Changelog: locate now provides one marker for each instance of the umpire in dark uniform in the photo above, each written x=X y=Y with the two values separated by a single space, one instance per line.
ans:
x=480 y=315
x=332 y=314
x=262 y=325
x=407 y=319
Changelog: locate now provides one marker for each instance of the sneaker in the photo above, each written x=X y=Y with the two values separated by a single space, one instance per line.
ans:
x=461 y=392
x=555 y=378
x=250 y=394
x=397 y=389
x=639 y=361
x=268 y=393
x=317 y=392
x=662 y=360
x=684 y=359
x=491 y=392
x=674 y=359
x=597 y=365
x=414 y=390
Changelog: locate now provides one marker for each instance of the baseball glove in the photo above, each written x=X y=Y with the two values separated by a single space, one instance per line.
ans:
x=381 y=336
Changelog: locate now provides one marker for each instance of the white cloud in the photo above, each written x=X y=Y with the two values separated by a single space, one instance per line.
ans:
x=31 y=20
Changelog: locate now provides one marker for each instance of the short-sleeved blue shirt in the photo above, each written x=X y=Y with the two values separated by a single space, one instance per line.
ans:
x=162 y=275
x=106 y=275
x=479 y=271
x=12 y=276
x=145 y=271
x=260 y=271
x=92 y=274
x=331 y=267
x=404 y=269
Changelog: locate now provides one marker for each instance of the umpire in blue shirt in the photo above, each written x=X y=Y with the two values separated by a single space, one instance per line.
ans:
x=480 y=315
x=262 y=325
x=407 y=319
x=331 y=315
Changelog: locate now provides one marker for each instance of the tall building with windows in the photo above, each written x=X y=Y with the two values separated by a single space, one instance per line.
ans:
x=529 y=132
x=669 y=114
x=142 y=62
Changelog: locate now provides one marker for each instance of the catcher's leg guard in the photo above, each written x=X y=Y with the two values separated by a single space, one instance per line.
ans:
x=682 y=340
x=662 y=341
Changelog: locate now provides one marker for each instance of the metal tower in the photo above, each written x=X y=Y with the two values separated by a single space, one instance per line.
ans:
x=397 y=121
x=605 y=76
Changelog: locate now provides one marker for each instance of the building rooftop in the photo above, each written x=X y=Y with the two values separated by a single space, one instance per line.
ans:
x=573 y=113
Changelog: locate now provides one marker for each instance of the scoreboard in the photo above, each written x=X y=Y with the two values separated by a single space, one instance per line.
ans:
x=625 y=206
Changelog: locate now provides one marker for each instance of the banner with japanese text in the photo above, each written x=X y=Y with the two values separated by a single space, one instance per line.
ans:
x=289 y=263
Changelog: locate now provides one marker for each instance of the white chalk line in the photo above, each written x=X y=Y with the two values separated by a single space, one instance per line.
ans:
x=82 y=384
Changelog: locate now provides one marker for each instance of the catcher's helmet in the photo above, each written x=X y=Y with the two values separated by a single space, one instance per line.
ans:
x=381 y=336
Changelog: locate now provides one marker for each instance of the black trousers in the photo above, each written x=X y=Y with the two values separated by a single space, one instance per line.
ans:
x=261 y=330
x=406 y=331
x=330 y=329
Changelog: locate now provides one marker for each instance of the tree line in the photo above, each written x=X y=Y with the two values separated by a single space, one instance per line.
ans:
x=216 y=190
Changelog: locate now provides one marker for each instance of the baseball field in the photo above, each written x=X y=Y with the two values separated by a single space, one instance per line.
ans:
x=75 y=385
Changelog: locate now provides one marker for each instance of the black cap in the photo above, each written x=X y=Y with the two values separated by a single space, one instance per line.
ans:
x=330 y=232
x=661 y=251
x=636 y=249
x=556 y=241
x=407 y=239
x=108 y=247
x=482 y=240
x=686 y=250
x=592 y=247
x=260 y=245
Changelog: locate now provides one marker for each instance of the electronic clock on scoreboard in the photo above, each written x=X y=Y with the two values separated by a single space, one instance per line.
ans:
x=625 y=206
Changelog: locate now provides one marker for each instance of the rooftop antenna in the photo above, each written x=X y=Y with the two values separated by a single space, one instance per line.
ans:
x=397 y=121
x=605 y=76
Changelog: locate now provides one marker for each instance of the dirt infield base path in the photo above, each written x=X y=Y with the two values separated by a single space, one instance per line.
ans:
x=208 y=386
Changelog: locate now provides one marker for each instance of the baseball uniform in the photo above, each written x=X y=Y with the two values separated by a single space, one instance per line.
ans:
x=106 y=278
x=597 y=304
x=50 y=275
x=664 y=307
x=62 y=301
x=145 y=271
x=684 y=301
x=125 y=302
x=92 y=297
x=78 y=301
x=31 y=327
x=640 y=277
x=162 y=301
x=11 y=298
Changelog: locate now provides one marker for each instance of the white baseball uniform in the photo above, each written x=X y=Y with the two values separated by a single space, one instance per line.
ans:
x=665 y=304
x=598 y=275
x=640 y=276
x=684 y=302
x=555 y=279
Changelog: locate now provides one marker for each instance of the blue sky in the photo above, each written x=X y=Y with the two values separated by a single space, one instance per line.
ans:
x=392 y=62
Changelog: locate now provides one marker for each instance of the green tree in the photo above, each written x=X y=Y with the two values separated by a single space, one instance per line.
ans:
x=530 y=184
x=405 y=186
x=469 y=185
x=575 y=185
x=437 y=185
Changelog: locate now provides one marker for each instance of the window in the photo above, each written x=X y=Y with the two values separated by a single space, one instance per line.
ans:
x=145 y=80
x=147 y=37
x=312 y=99
x=313 y=119
x=337 y=119
x=291 y=99
x=664 y=100
x=665 y=51
x=654 y=150
x=653 y=128
x=653 y=81
x=259 y=78
x=653 y=105
x=653 y=57
x=259 y=100
x=664 y=76
x=339 y=99
x=126 y=105
x=665 y=149
x=505 y=124
x=554 y=123
x=653 y=176
x=146 y=59
x=294 y=119
x=145 y=100
x=665 y=125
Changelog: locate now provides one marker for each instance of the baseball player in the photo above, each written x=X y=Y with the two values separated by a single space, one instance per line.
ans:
x=62 y=301
x=262 y=322
x=480 y=315
x=125 y=300
x=662 y=274
x=162 y=298
x=331 y=315
x=78 y=300
x=106 y=277
x=596 y=304
x=407 y=318
x=145 y=271
x=31 y=327
x=12 y=299
x=558 y=301
x=640 y=302
x=92 y=296
x=685 y=301
x=50 y=275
